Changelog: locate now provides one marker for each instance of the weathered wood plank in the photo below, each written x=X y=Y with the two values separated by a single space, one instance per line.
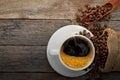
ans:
x=34 y=32
x=35 y=76
x=52 y=76
x=24 y=59
x=27 y=32
x=116 y=14
x=46 y=9
x=111 y=76
x=30 y=76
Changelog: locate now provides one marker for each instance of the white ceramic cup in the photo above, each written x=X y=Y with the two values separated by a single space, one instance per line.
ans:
x=56 y=52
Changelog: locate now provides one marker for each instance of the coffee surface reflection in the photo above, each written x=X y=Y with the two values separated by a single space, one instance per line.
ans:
x=76 y=46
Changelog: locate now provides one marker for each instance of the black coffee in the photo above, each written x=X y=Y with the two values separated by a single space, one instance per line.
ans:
x=76 y=46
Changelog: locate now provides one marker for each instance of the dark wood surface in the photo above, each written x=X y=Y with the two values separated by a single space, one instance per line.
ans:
x=23 y=42
x=23 y=49
x=34 y=32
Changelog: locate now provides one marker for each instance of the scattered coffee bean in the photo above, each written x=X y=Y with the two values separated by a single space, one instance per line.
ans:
x=99 y=39
x=80 y=33
x=85 y=33
x=98 y=13
x=100 y=42
x=81 y=13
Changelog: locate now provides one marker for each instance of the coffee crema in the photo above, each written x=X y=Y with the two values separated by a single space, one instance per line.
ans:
x=81 y=58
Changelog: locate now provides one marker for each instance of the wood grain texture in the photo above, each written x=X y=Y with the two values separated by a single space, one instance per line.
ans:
x=30 y=76
x=46 y=9
x=24 y=59
x=27 y=32
x=23 y=49
x=22 y=43
x=35 y=32
x=111 y=76
x=52 y=76
x=35 y=76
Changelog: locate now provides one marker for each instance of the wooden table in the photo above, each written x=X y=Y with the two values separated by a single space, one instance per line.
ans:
x=23 y=41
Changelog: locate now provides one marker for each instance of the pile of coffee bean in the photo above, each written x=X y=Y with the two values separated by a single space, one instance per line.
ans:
x=84 y=12
x=98 y=13
x=99 y=39
x=100 y=42
x=106 y=8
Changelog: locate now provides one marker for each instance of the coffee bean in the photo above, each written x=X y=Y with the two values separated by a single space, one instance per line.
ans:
x=98 y=13
x=88 y=35
x=84 y=32
x=82 y=12
x=80 y=33
x=97 y=6
x=99 y=39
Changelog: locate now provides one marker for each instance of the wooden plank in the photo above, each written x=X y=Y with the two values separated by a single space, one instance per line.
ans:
x=115 y=14
x=35 y=76
x=34 y=32
x=30 y=76
x=27 y=32
x=111 y=76
x=52 y=76
x=24 y=59
x=46 y=9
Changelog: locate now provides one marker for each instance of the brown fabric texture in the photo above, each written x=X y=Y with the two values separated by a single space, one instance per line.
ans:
x=113 y=42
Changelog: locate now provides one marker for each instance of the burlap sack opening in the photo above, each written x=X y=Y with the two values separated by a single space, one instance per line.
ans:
x=113 y=59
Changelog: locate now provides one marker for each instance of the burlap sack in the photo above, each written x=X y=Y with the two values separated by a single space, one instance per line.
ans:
x=113 y=59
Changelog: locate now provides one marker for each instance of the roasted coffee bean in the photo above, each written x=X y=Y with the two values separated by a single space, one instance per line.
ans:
x=80 y=33
x=88 y=35
x=97 y=6
x=96 y=14
x=84 y=32
x=100 y=44
x=99 y=39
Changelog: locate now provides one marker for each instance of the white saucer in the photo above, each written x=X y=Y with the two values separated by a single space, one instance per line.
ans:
x=57 y=38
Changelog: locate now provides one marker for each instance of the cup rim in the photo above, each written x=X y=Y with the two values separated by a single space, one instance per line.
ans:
x=78 y=69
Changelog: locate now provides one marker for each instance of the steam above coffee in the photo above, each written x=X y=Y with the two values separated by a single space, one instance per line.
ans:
x=76 y=46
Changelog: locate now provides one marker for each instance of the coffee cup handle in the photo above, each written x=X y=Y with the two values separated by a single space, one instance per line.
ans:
x=54 y=52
